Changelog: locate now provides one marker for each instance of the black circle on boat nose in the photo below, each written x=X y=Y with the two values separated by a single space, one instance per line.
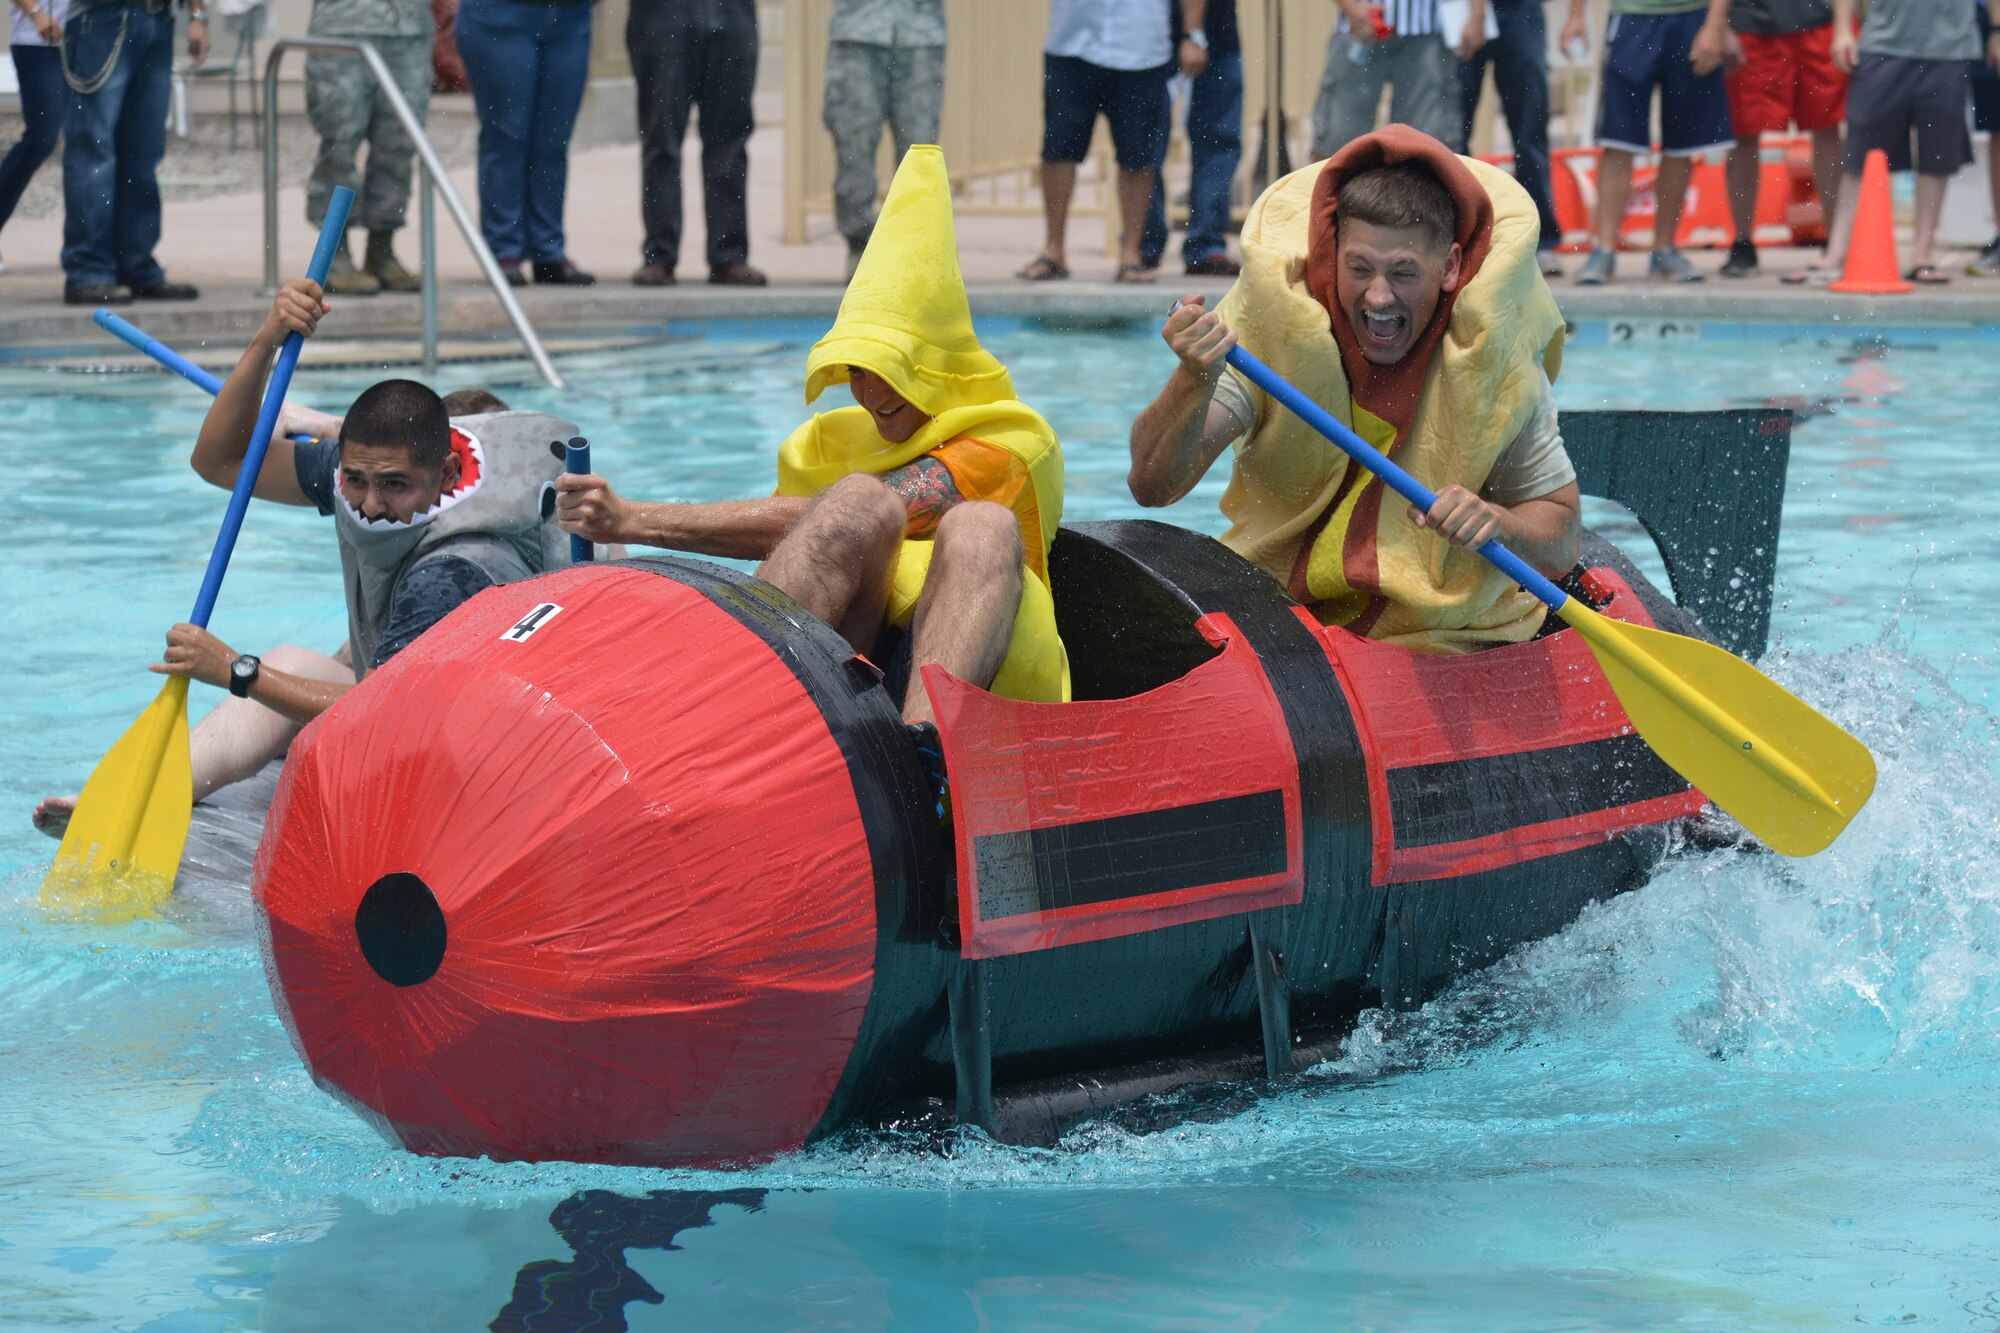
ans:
x=401 y=929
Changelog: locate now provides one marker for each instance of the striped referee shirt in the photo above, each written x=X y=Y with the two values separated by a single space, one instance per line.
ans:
x=1410 y=18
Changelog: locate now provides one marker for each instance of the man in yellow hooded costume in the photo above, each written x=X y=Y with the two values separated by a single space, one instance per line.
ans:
x=928 y=507
x=1397 y=286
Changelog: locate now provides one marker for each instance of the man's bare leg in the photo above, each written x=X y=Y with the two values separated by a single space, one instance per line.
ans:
x=839 y=559
x=1058 y=185
x=1826 y=154
x=1842 y=231
x=1135 y=193
x=1670 y=190
x=1746 y=162
x=965 y=616
x=235 y=740
x=1930 y=207
x=1614 y=191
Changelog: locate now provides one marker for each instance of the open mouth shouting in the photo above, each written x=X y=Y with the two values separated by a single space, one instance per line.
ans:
x=1384 y=334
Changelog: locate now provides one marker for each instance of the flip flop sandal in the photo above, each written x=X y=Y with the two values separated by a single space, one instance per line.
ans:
x=1043 y=269
x=1815 y=276
x=1928 y=274
x=1137 y=273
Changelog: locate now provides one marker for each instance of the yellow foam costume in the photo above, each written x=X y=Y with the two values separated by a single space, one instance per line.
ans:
x=906 y=318
x=1369 y=566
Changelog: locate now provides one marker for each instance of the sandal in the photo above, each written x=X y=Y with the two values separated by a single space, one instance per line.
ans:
x=1814 y=274
x=1043 y=269
x=1928 y=274
x=1137 y=273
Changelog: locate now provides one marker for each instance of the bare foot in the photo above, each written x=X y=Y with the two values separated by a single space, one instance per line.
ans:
x=52 y=815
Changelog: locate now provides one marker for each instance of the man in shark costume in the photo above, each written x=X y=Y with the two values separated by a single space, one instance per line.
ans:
x=429 y=510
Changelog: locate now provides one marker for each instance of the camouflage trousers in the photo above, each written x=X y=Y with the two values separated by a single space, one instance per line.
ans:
x=346 y=109
x=865 y=86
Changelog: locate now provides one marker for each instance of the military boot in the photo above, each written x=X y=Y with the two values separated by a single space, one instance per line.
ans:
x=343 y=279
x=385 y=267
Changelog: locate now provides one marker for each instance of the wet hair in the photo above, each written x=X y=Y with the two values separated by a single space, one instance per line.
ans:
x=472 y=402
x=1408 y=194
x=401 y=414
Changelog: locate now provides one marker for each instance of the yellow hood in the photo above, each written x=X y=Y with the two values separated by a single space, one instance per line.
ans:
x=905 y=315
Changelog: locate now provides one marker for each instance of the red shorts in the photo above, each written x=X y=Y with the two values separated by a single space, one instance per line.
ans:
x=1787 y=80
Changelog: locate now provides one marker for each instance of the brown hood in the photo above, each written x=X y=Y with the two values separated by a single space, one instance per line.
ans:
x=1390 y=392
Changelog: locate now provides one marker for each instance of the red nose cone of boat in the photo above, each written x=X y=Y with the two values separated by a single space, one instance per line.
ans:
x=580 y=874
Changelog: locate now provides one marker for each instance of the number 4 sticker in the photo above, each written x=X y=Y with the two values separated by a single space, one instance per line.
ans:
x=531 y=622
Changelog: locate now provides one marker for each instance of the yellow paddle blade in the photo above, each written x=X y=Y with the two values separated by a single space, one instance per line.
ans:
x=124 y=843
x=1754 y=748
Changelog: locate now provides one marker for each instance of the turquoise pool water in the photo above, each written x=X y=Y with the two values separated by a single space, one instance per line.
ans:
x=1752 y=1095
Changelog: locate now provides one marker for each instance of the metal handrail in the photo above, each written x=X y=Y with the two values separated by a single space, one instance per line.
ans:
x=430 y=173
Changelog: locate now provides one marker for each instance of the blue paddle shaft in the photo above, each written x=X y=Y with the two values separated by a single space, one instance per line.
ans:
x=1366 y=454
x=159 y=351
x=576 y=458
x=139 y=339
x=331 y=235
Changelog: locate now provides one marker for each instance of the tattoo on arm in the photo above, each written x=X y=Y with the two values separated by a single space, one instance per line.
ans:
x=927 y=490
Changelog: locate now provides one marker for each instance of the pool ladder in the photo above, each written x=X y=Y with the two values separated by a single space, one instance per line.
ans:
x=431 y=178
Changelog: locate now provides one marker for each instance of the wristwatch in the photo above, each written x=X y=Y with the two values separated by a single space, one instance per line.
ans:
x=1198 y=37
x=243 y=674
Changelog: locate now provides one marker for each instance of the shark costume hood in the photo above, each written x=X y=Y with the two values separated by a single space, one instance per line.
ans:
x=501 y=517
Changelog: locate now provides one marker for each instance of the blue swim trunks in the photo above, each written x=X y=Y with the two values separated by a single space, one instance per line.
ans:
x=1647 y=51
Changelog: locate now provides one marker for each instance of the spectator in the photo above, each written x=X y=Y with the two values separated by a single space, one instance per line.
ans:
x=526 y=60
x=1788 y=78
x=1986 y=119
x=1113 y=57
x=348 y=109
x=118 y=60
x=1206 y=45
x=687 y=53
x=1411 y=53
x=1912 y=72
x=1520 y=60
x=884 y=63
x=36 y=45
x=1681 y=48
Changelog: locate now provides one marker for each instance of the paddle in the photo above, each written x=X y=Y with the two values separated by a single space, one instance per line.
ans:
x=137 y=338
x=576 y=459
x=1784 y=772
x=123 y=846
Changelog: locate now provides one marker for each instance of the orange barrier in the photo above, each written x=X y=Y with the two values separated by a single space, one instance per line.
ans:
x=1788 y=211
x=1871 y=268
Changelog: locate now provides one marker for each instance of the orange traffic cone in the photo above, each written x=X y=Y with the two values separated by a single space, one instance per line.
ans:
x=1871 y=251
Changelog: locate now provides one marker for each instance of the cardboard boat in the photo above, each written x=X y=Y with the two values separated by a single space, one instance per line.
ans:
x=637 y=864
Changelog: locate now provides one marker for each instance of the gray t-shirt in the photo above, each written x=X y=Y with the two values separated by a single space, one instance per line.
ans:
x=1774 y=18
x=1532 y=466
x=430 y=590
x=1921 y=30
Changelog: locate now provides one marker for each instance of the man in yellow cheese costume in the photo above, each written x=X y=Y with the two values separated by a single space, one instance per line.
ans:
x=927 y=507
x=1396 y=285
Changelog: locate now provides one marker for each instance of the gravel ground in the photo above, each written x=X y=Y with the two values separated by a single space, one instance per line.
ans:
x=201 y=165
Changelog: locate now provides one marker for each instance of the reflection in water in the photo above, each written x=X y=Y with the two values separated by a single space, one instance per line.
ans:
x=590 y=1292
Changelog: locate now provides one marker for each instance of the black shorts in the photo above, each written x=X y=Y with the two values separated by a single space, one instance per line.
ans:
x=1891 y=98
x=1133 y=100
x=1985 y=83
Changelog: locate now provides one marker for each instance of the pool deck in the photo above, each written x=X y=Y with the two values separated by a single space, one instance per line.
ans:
x=217 y=243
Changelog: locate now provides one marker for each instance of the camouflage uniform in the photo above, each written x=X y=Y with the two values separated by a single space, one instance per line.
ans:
x=885 y=62
x=346 y=110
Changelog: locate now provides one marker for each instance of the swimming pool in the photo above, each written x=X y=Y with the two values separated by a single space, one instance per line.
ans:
x=1751 y=1095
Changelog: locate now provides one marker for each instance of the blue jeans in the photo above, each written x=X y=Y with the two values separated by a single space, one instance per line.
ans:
x=38 y=69
x=1521 y=76
x=113 y=140
x=1215 y=144
x=526 y=63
